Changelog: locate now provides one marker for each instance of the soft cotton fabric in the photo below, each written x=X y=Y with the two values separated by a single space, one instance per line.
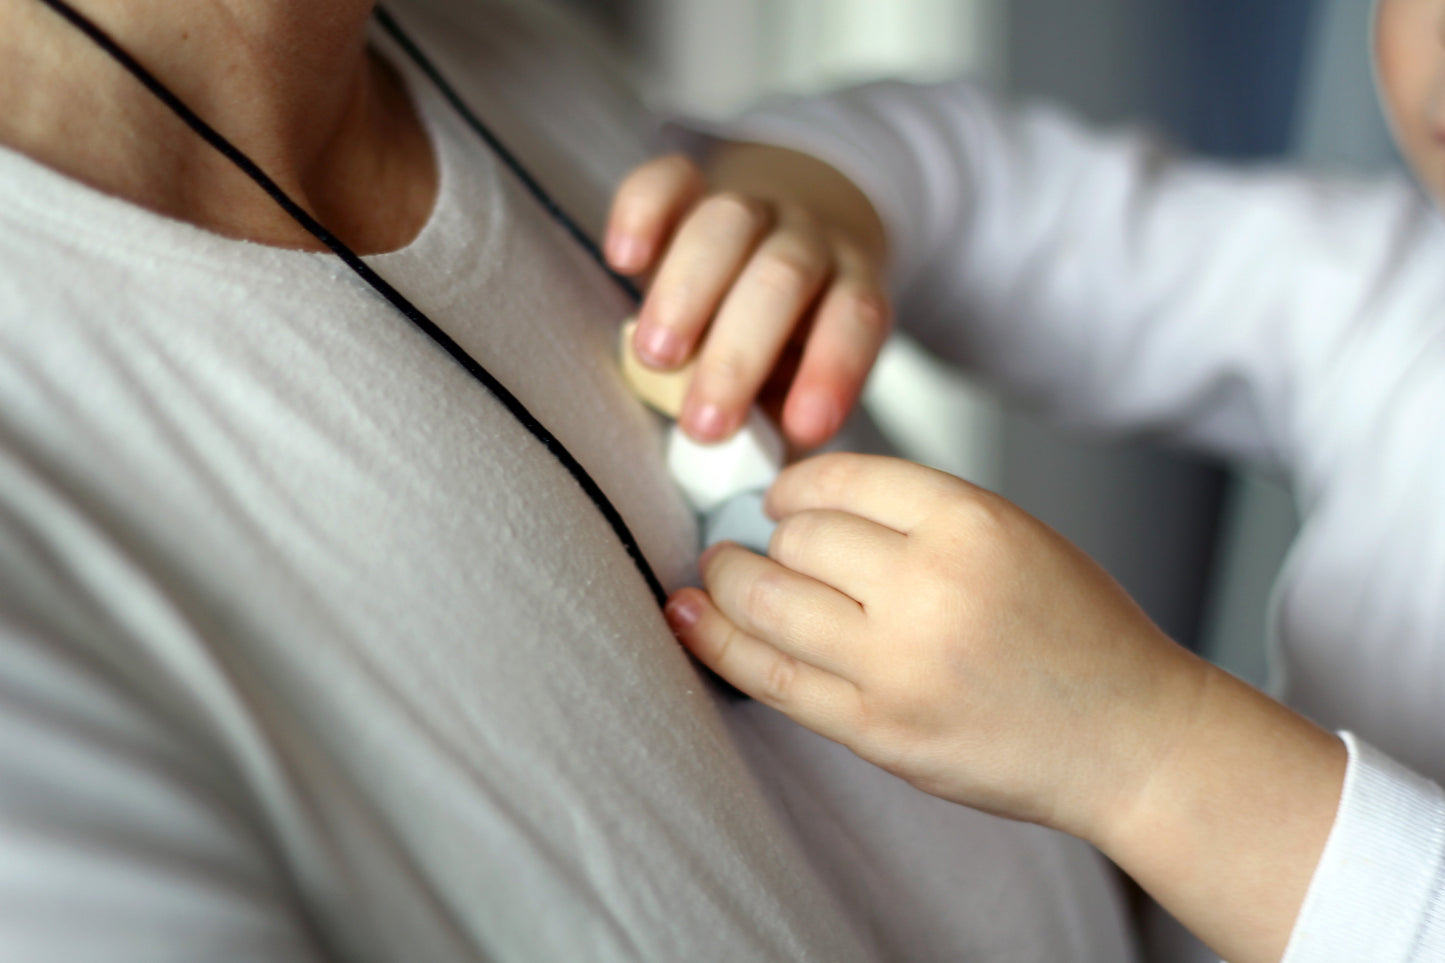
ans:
x=308 y=651
x=1292 y=321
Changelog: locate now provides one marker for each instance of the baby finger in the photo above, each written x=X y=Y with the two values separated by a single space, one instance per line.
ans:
x=812 y=696
x=850 y=326
x=801 y=617
x=769 y=301
x=708 y=252
x=843 y=551
x=648 y=206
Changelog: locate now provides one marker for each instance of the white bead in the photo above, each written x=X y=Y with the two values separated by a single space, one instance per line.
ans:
x=711 y=474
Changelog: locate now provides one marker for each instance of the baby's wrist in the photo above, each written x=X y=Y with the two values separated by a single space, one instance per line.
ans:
x=1228 y=827
x=1144 y=742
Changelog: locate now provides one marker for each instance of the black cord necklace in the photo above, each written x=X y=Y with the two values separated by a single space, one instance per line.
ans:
x=412 y=313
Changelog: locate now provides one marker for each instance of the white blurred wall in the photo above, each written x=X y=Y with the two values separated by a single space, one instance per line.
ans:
x=713 y=58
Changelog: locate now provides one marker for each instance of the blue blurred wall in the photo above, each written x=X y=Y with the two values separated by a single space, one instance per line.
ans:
x=1235 y=83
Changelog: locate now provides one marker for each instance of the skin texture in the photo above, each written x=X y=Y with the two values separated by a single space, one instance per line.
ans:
x=943 y=634
x=292 y=84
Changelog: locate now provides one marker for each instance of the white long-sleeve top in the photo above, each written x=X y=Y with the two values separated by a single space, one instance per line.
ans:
x=1292 y=321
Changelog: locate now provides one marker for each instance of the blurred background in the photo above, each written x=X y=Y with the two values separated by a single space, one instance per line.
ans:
x=1197 y=544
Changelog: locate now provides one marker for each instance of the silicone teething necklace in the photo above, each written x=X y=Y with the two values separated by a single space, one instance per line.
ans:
x=412 y=313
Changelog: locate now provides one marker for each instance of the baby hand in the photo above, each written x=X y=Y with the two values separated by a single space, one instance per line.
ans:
x=760 y=280
x=948 y=637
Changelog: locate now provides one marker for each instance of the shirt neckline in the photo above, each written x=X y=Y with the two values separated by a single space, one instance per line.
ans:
x=84 y=215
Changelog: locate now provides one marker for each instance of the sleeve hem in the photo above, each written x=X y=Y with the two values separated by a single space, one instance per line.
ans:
x=1377 y=892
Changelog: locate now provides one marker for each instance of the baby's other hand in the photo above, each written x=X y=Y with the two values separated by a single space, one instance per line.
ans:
x=947 y=636
x=768 y=269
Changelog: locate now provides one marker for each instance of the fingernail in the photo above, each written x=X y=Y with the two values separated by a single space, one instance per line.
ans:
x=625 y=251
x=813 y=417
x=658 y=346
x=707 y=423
x=683 y=613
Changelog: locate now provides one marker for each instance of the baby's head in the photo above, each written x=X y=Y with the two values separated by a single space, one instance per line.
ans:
x=1410 y=63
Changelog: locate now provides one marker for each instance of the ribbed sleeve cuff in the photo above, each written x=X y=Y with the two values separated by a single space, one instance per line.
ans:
x=1378 y=893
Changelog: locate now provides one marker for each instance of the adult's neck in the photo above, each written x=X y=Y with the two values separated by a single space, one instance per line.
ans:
x=290 y=82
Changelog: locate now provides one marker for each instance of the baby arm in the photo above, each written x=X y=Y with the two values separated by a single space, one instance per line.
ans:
x=947 y=636
x=767 y=267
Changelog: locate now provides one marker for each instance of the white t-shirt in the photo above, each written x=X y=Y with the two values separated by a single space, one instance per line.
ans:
x=309 y=651
x=1297 y=322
